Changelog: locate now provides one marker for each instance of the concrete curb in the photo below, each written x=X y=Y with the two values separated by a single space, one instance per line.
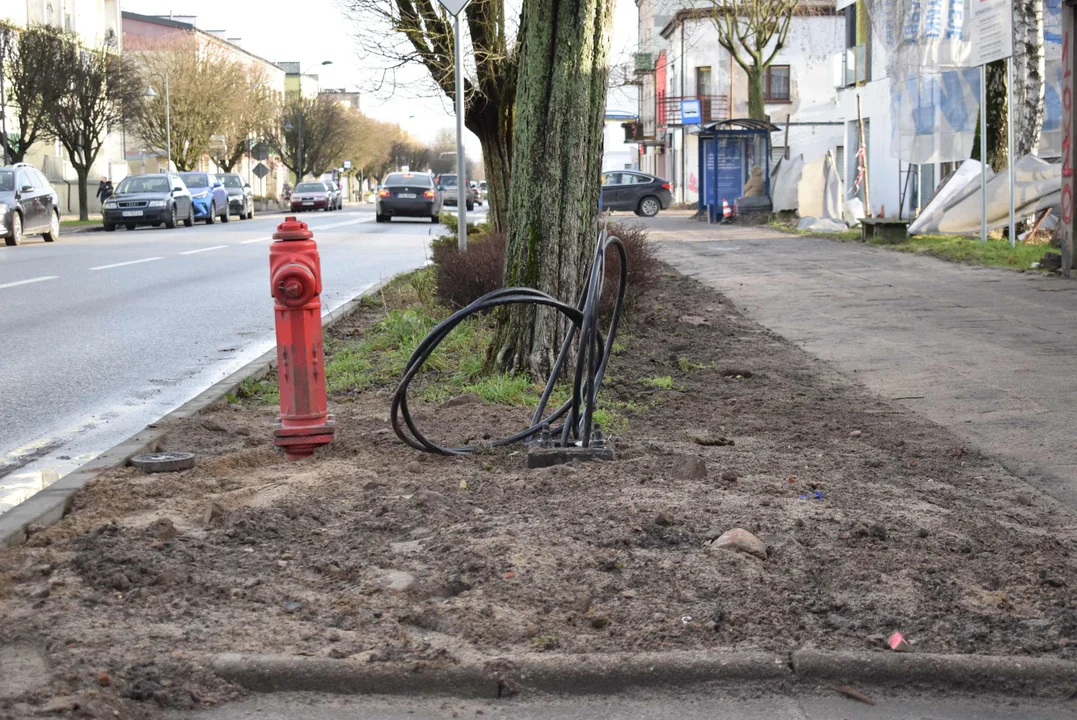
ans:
x=49 y=506
x=600 y=674
x=998 y=673
x=572 y=674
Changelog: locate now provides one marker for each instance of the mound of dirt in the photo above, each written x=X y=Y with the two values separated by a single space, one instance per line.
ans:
x=859 y=518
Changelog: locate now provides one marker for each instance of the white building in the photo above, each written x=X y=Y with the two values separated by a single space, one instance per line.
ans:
x=618 y=151
x=688 y=62
x=96 y=22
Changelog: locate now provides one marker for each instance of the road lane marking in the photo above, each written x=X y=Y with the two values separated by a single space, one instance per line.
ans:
x=261 y=239
x=340 y=224
x=124 y=264
x=31 y=280
x=200 y=250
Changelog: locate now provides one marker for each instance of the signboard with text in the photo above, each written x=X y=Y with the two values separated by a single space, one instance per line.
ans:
x=990 y=31
x=691 y=112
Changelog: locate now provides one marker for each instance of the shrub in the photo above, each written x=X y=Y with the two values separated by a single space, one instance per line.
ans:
x=463 y=278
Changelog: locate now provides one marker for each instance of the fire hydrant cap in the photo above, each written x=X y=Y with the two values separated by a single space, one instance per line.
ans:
x=292 y=229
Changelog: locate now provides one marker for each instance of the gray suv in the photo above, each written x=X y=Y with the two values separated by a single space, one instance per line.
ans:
x=28 y=205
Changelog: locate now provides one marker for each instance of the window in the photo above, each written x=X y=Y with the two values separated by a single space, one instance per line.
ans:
x=40 y=180
x=22 y=179
x=703 y=81
x=776 y=84
x=611 y=179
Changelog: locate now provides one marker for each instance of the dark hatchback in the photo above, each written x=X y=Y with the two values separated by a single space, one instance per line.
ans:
x=157 y=199
x=408 y=195
x=638 y=192
x=240 y=197
x=28 y=205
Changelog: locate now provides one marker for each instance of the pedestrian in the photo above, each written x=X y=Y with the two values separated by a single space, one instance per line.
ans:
x=104 y=189
x=287 y=191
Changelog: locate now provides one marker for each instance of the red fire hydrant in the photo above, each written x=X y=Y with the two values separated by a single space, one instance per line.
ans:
x=296 y=284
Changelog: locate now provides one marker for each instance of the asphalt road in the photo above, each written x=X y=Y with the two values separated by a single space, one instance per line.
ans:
x=106 y=332
x=701 y=703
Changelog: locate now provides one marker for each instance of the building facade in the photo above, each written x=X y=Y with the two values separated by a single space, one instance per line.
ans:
x=96 y=23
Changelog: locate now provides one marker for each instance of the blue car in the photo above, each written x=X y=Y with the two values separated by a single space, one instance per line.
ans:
x=209 y=196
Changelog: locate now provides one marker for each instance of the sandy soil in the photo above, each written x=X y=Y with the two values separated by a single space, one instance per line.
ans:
x=874 y=520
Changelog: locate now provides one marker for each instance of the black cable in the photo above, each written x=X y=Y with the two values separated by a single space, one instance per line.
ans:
x=592 y=355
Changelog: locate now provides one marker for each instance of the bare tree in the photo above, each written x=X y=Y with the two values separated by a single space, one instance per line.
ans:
x=323 y=125
x=754 y=32
x=31 y=82
x=406 y=33
x=250 y=118
x=100 y=90
x=204 y=88
x=557 y=157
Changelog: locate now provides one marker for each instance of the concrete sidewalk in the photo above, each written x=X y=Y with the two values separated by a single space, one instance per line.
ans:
x=988 y=353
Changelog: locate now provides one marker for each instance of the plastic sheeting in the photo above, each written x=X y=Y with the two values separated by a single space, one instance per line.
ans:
x=783 y=183
x=956 y=208
x=819 y=196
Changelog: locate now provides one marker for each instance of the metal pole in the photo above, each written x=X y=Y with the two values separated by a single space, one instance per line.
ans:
x=983 y=153
x=1009 y=140
x=168 y=127
x=299 y=145
x=462 y=188
x=3 y=113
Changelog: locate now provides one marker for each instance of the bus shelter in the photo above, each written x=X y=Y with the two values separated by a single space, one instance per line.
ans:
x=729 y=153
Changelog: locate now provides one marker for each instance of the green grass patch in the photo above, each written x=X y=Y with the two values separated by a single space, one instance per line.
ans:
x=994 y=252
x=264 y=392
x=662 y=382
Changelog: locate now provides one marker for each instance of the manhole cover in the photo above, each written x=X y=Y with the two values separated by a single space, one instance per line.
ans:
x=164 y=462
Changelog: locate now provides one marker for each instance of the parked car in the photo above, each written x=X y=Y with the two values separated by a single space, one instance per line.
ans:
x=447 y=185
x=476 y=194
x=209 y=196
x=643 y=194
x=312 y=195
x=28 y=205
x=240 y=198
x=156 y=199
x=408 y=195
x=482 y=190
x=338 y=199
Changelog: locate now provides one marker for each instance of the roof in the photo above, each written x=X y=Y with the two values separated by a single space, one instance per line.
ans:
x=740 y=124
x=806 y=8
x=169 y=22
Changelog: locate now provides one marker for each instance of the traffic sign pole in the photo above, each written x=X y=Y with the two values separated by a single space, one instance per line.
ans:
x=462 y=187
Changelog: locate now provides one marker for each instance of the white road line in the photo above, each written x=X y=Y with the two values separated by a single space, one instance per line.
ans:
x=124 y=264
x=27 y=282
x=261 y=239
x=200 y=250
x=339 y=224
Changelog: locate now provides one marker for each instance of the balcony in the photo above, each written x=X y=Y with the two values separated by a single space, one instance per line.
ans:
x=713 y=108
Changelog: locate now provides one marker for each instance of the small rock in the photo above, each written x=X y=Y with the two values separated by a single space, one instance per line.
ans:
x=236 y=407
x=923 y=532
x=119 y=582
x=532 y=630
x=59 y=704
x=708 y=441
x=33 y=529
x=375 y=485
x=213 y=426
x=41 y=593
x=664 y=517
x=1053 y=582
x=629 y=594
x=855 y=434
x=878 y=532
x=398 y=582
x=212 y=513
x=729 y=476
x=466 y=399
x=740 y=540
x=292 y=607
x=163 y=529
x=598 y=622
x=692 y=467
x=333 y=636
x=414 y=467
x=838 y=622
x=104 y=679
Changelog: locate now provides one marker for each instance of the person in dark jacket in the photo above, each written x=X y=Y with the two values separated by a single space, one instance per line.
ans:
x=104 y=189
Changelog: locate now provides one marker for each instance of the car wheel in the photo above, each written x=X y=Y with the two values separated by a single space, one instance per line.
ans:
x=250 y=213
x=54 y=229
x=328 y=207
x=381 y=218
x=109 y=227
x=225 y=216
x=434 y=218
x=189 y=220
x=470 y=206
x=212 y=217
x=15 y=236
x=130 y=226
x=171 y=221
x=649 y=206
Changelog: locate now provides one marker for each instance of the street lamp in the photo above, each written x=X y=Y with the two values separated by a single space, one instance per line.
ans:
x=299 y=121
x=151 y=93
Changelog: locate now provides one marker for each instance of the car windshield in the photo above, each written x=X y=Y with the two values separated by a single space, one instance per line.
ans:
x=396 y=179
x=195 y=180
x=309 y=187
x=448 y=180
x=232 y=181
x=7 y=180
x=146 y=184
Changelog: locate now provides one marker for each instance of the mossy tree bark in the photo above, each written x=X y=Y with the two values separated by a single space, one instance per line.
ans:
x=563 y=72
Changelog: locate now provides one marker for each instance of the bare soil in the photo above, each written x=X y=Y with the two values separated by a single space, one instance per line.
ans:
x=874 y=519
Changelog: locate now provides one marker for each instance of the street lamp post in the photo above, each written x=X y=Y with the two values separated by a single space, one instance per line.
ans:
x=151 y=93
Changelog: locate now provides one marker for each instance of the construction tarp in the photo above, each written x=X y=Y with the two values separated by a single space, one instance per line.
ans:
x=783 y=183
x=819 y=196
x=956 y=208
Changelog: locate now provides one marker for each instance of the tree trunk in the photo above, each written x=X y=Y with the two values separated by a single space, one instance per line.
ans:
x=997 y=151
x=1028 y=72
x=755 y=93
x=493 y=126
x=83 y=174
x=556 y=162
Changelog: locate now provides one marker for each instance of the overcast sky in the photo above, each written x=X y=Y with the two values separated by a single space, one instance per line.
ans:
x=311 y=31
